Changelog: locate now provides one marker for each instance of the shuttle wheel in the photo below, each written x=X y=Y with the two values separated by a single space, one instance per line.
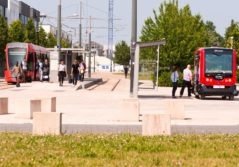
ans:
x=231 y=97
x=224 y=97
x=202 y=97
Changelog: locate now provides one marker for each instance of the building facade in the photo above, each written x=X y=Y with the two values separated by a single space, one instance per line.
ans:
x=3 y=8
x=14 y=10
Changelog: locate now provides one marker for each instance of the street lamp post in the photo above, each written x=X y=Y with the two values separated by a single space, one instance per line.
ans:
x=133 y=43
x=59 y=30
x=157 y=73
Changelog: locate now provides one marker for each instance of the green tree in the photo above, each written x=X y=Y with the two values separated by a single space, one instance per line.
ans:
x=3 y=36
x=65 y=43
x=232 y=36
x=51 y=40
x=30 y=32
x=213 y=38
x=42 y=37
x=182 y=31
x=122 y=53
x=16 y=32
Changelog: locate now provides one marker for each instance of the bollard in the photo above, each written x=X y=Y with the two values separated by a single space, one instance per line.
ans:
x=47 y=123
x=3 y=105
x=175 y=109
x=156 y=124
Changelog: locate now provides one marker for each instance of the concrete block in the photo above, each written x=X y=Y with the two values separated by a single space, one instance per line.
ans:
x=175 y=109
x=48 y=104
x=3 y=105
x=42 y=105
x=156 y=124
x=47 y=123
x=129 y=110
x=35 y=106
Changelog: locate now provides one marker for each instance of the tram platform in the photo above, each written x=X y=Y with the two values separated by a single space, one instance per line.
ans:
x=98 y=109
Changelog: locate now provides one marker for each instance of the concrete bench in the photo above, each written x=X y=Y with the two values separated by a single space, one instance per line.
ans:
x=42 y=105
x=47 y=123
x=156 y=124
x=3 y=105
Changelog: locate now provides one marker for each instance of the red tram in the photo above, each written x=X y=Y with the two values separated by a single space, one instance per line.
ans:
x=17 y=51
x=215 y=72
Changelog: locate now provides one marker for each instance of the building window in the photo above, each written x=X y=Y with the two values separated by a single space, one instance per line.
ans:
x=23 y=19
x=2 y=11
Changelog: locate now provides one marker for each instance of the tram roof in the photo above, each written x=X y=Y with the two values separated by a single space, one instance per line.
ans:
x=67 y=49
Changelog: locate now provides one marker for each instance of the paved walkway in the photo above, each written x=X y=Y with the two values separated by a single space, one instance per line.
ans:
x=101 y=104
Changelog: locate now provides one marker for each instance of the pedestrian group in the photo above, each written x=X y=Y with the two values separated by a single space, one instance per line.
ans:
x=187 y=81
x=20 y=71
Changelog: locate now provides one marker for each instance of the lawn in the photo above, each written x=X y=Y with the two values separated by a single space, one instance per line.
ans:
x=118 y=150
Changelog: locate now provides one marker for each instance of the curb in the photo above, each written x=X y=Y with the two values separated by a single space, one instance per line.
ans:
x=90 y=82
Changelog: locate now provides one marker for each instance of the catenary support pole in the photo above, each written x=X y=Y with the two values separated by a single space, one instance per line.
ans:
x=59 y=30
x=133 y=43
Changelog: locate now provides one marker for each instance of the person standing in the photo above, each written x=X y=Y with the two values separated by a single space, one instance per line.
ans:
x=187 y=78
x=24 y=69
x=45 y=70
x=174 y=79
x=126 y=69
x=61 y=72
x=40 y=66
x=82 y=68
x=17 y=71
x=75 y=72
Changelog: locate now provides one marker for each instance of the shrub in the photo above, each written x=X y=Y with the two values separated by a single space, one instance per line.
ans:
x=164 y=79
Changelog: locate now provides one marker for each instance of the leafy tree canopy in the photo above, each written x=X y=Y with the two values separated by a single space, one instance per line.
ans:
x=16 y=32
x=183 y=32
x=232 y=36
x=3 y=36
x=30 y=32
x=122 y=53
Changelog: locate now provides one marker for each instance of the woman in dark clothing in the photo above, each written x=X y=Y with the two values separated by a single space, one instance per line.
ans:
x=75 y=72
x=61 y=72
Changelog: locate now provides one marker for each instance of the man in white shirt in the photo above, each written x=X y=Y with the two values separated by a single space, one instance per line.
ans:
x=187 y=78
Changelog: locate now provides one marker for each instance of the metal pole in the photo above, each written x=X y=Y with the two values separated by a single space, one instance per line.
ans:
x=133 y=43
x=59 y=30
x=157 y=73
x=89 y=62
x=80 y=26
x=94 y=62
x=136 y=72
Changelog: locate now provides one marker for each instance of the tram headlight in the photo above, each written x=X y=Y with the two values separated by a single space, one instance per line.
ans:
x=208 y=79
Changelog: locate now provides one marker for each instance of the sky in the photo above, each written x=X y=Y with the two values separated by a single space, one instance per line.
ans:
x=220 y=12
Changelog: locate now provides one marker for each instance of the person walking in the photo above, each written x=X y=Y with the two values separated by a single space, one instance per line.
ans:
x=82 y=68
x=126 y=69
x=75 y=72
x=40 y=66
x=187 y=78
x=61 y=72
x=24 y=69
x=17 y=71
x=45 y=70
x=174 y=78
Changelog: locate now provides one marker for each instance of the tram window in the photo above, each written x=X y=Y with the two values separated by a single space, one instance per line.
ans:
x=30 y=62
